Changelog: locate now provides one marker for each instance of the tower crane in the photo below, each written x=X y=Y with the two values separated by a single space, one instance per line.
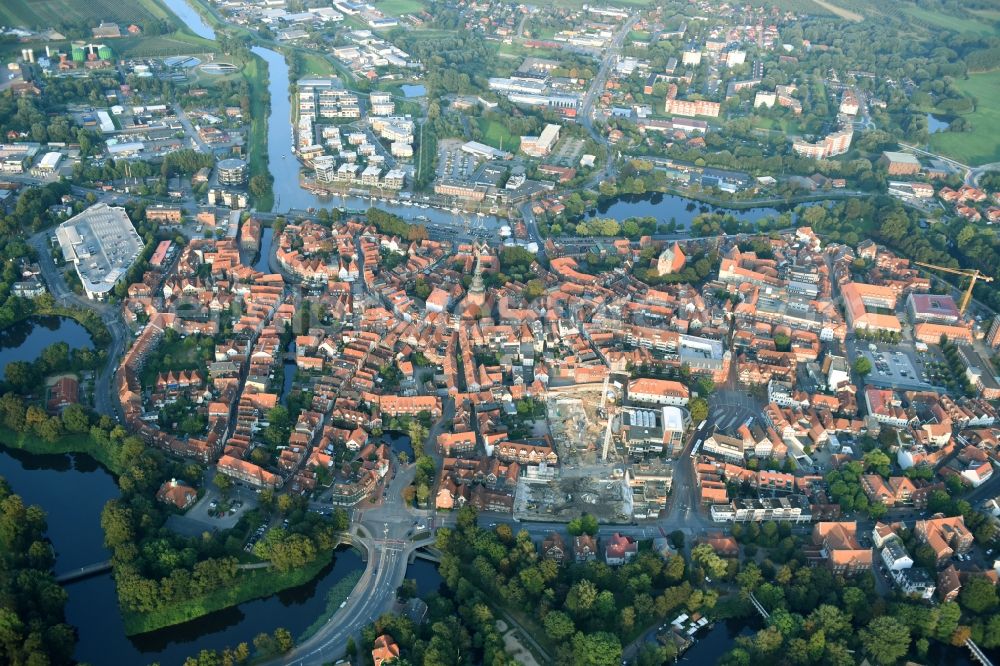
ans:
x=972 y=273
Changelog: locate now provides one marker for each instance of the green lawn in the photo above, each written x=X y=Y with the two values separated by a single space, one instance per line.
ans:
x=982 y=144
x=519 y=50
x=399 y=7
x=177 y=43
x=496 y=135
x=786 y=125
x=948 y=21
x=988 y=14
x=314 y=64
x=255 y=72
x=43 y=14
x=799 y=6
x=254 y=584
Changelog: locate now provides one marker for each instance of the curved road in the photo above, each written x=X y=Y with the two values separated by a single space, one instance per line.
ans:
x=105 y=401
x=388 y=528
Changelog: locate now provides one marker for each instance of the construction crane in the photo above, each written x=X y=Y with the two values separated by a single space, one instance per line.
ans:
x=971 y=273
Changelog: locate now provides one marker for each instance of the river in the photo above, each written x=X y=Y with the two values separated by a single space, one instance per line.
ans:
x=289 y=193
x=186 y=13
x=25 y=340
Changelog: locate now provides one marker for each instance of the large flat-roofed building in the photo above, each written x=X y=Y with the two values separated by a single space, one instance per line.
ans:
x=541 y=145
x=102 y=244
x=482 y=151
x=900 y=164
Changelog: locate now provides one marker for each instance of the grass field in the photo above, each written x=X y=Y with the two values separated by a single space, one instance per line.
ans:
x=314 y=64
x=947 y=21
x=178 y=43
x=988 y=14
x=519 y=50
x=496 y=135
x=399 y=7
x=982 y=144
x=842 y=12
x=41 y=14
x=255 y=72
x=785 y=125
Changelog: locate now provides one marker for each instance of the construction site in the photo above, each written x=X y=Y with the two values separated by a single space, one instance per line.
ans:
x=591 y=478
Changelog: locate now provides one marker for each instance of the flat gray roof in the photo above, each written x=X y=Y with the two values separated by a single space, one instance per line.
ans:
x=103 y=245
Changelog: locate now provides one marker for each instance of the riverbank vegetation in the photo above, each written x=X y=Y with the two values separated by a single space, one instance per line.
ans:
x=261 y=181
x=164 y=578
x=32 y=603
x=334 y=598
x=234 y=587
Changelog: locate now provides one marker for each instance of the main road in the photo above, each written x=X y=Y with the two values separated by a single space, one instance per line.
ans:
x=596 y=86
x=386 y=533
x=105 y=401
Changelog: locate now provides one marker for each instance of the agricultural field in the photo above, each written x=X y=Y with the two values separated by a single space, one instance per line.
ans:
x=496 y=135
x=948 y=21
x=42 y=14
x=982 y=144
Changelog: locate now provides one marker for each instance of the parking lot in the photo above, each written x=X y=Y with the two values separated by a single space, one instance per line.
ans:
x=567 y=152
x=895 y=366
x=212 y=512
x=453 y=163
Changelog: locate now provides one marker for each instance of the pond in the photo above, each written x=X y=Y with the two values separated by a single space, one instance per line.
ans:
x=937 y=123
x=73 y=490
x=25 y=340
x=426 y=574
x=411 y=91
x=670 y=207
x=398 y=441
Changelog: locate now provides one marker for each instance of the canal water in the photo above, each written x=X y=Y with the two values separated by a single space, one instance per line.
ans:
x=262 y=264
x=670 y=207
x=25 y=340
x=289 y=193
x=73 y=490
x=192 y=18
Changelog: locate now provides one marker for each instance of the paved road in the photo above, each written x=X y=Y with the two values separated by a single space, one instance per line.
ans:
x=384 y=531
x=105 y=401
x=189 y=128
x=972 y=178
x=596 y=86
